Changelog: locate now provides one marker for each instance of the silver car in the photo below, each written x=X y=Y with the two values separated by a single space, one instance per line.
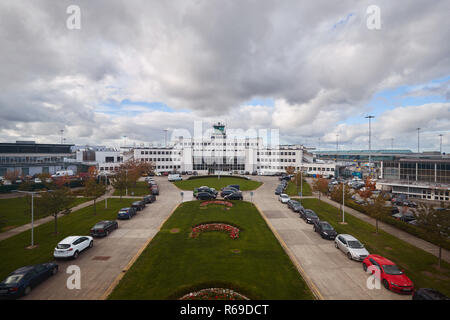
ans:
x=351 y=247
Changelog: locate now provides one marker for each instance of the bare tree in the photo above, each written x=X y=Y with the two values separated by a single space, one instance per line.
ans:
x=320 y=185
x=54 y=202
x=436 y=222
x=377 y=209
x=94 y=190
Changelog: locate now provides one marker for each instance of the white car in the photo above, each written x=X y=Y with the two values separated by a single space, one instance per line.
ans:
x=351 y=247
x=71 y=246
x=174 y=177
x=284 y=198
x=37 y=180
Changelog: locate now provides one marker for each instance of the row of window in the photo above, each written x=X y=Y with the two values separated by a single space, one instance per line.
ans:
x=160 y=152
x=276 y=153
x=31 y=159
x=275 y=160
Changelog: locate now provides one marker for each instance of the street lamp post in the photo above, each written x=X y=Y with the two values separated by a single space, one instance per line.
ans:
x=440 y=144
x=343 y=202
x=32 y=211
x=418 y=140
x=370 y=142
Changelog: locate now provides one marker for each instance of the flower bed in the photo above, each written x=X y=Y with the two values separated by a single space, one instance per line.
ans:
x=222 y=202
x=214 y=294
x=232 y=231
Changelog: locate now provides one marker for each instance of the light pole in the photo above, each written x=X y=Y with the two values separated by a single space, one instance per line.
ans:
x=440 y=145
x=32 y=212
x=418 y=140
x=370 y=142
x=343 y=202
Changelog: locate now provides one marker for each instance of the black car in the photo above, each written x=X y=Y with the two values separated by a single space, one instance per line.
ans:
x=205 y=196
x=298 y=208
x=149 y=198
x=139 y=205
x=20 y=282
x=235 y=186
x=410 y=203
x=309 y=216
x=126 y=213
x=103 y=228
x=155 y=190
x=292 y=204
x=325 y=230
x=227 y=191
x=394 y=210
x=428 y=294
x=234 y=196
x=278 y=191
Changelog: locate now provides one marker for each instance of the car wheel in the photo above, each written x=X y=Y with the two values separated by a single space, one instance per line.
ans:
x=129 y=217
x=75 y=255
x=364 y=267
x=336 y=245
x=107 y=233
x=91 y=244
x=386 y=284
x=27 y=291
x=349 y=255
x=54 y=270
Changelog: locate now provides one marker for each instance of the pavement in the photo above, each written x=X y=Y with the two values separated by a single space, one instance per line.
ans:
x=101 y=265
x=328 y=270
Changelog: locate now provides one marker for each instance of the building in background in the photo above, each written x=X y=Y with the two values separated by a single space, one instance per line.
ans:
x=28 y=158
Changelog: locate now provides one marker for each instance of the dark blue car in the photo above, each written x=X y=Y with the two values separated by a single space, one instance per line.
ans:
x=126 y=213
x=20 y=282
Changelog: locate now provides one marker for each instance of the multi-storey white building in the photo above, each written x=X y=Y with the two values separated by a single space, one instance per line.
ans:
x=218 y=153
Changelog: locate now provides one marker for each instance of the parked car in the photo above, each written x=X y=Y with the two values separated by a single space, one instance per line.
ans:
x=205 y=196
x=292 y=204
x=71 y=247
x=404 y=217
x=351 y=247
x=284 y=198
x=309 y=216
x=138 y=205
x=155 y=190
x=174 y=177
x=227 y=191
x=37 y=180
x=149 y=198
x=212 y=191
x=410 y=203
x=428 y=294
x=278 y=191
x=20 y=282
x=324 y=229
x=234 y=196
x=103 y=228
x=390 y=275
x=126 y=213
x=235 y=186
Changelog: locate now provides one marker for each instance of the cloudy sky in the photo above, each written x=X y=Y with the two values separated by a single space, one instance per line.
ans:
x=312 y=69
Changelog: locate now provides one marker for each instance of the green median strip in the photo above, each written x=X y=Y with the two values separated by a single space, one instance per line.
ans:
x=419 y=265
x=14 y=252
x=174 y=263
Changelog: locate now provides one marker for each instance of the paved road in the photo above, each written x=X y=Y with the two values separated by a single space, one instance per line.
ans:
x=335 y=276
x=101 y=265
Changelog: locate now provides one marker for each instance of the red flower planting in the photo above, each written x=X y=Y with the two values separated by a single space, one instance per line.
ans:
x=225 y=203
x=231 y=230
x=214 y=294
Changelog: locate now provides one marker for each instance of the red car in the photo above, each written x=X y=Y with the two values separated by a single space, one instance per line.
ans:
x=390 y=275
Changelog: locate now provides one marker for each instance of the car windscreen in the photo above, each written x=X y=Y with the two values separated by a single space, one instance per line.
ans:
x=99 y=225
x=392 y=269
x=63 y=246
x=13 y=279
x=355 y=244
x=326 y=226
x=310 y=214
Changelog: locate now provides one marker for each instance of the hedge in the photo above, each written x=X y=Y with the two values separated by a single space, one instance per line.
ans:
x=217 y=176
x=37 y=186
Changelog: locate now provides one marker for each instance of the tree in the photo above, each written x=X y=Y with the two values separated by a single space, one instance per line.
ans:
x=368 y=188
x=297 y=179
x=436 y=222
x=12 y=175
x=54 y=202
x=320 y=185
x=94 y=190
x=290 y=170
x=336 y=194
x=145 y=167
x=378 y=209
x=120 y=180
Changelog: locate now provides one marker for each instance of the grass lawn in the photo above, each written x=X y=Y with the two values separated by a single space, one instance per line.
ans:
x=291 y=189
x=218 y=184
x=141 y=189
x=17 y=212
x=174 y=264
x=13 y=250
x=419 y=266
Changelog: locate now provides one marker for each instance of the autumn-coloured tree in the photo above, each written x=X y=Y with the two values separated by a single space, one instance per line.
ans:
x=54 y=202
x=145 y=167
x=120 y=181
x=12 y=175
x=369 y=187
x=436 y=222
x=290 y=170
x=336 y=194
x=94 y=190
x=320 y=185
x=378 y=209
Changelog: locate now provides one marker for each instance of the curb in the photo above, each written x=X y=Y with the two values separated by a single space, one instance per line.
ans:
x=302 y=272
x=116 y=281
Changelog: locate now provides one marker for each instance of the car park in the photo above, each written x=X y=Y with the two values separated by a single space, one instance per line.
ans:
x=234 y=196
x=72 y=246
x=21 y=281
x=138 y=205
x=309 y=216
x=126 y=213
x=103 y=228
x=351 y=246
x=428 y=294
x=205 y=196
x=389 y=274
x=324 y=229
x=149 y=198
